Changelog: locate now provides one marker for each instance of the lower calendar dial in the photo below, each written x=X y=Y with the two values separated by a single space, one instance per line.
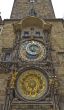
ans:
x=31 y=84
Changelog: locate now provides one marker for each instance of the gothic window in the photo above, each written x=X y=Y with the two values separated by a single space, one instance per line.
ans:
x=6 y=56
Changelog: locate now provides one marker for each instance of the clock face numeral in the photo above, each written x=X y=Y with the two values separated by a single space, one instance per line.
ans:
x=32 y=50
x=32 y=84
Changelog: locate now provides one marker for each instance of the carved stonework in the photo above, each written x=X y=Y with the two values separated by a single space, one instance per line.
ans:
x=32 y=58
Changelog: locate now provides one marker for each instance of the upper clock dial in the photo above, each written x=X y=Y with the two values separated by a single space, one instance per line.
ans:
x=32 y=50
x=31 y=84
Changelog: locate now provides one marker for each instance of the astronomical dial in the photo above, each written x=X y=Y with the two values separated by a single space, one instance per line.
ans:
x=31 y=84
x=32 y=50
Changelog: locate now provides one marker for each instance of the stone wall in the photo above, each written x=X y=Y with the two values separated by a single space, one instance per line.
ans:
x=7 y=35
x=21 y=9
x=3 y=85
x=57 y=41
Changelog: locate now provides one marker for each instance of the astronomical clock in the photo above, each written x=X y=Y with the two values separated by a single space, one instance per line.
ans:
x=32 y=80
x=32 y=50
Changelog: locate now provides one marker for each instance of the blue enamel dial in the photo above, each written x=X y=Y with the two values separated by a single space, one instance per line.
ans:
x=32 y=50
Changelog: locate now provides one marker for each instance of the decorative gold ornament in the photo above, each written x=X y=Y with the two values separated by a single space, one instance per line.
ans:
x=32 y=51
x=13 y=79
x=32 y=84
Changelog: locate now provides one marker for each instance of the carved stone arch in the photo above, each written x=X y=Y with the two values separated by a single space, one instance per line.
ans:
x=32 y=21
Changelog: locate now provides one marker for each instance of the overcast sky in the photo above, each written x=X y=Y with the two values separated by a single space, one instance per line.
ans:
x=6 y=7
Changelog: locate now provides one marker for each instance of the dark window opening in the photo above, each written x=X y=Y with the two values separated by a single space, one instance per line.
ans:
x=7 y=57
x=0 y=29
x=26 y=34
x=37 y=33
x=6 y=54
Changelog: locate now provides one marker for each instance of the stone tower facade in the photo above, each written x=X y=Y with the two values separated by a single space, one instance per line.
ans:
x=32 y=58
x=41 y=8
